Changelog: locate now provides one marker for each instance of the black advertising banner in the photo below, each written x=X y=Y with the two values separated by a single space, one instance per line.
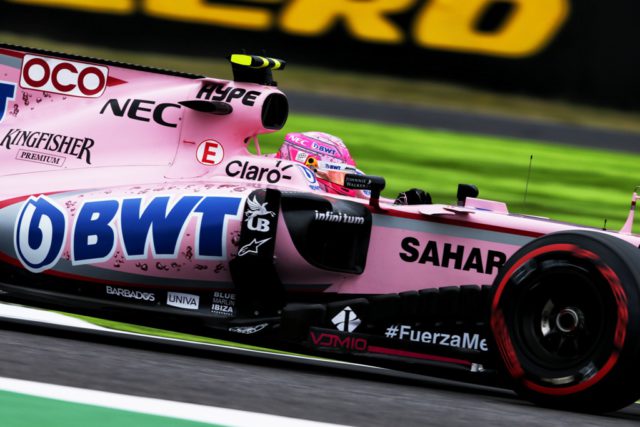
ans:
x=584 y=50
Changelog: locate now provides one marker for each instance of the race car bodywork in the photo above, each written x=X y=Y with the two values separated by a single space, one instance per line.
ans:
x=132 y=189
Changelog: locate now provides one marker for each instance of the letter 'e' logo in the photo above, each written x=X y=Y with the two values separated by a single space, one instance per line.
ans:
x=39 y=234
x=210 y=152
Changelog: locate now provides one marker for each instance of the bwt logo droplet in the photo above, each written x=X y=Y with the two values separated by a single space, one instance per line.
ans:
x=40 y=234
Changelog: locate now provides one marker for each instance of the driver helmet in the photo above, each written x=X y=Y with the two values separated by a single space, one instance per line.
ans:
x=322 y=146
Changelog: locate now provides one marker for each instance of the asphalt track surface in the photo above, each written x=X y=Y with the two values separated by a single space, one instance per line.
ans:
x=360 y=399
x=320 y=394
x=459 y=121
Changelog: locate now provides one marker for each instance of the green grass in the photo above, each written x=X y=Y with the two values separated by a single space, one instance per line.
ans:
x=567 y=183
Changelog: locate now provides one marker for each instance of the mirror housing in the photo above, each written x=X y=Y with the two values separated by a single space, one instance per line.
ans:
x=375 y=184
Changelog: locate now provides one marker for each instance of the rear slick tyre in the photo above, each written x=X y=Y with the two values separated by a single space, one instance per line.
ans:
x=565 y=318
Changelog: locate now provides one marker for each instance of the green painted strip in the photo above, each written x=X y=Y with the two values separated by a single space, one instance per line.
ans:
x=20 y=410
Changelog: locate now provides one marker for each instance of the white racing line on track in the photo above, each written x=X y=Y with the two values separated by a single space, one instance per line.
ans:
x=19 y=312
x=158 y=407
x=25 y=313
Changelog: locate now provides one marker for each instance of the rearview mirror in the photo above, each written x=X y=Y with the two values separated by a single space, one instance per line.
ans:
x=366 y=182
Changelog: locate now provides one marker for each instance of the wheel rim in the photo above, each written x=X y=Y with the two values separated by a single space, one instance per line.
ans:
x=560 y=318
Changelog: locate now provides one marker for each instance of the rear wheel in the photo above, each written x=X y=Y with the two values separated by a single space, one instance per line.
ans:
x=565 y=319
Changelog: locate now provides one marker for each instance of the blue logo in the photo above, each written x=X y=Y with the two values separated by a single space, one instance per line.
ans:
x=157 y=225
x=7 y=93
x=39 y=235
x=94 y=235
x=324 y=149
x=308 y=174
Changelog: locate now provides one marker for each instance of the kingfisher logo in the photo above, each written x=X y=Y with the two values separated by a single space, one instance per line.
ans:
x=7 y=93
x=137 y=226
x=39 y=234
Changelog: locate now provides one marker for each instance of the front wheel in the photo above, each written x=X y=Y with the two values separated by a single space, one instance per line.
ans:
x=565 y=319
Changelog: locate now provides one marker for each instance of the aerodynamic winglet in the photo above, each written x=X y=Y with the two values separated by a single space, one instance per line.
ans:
x=212 y=107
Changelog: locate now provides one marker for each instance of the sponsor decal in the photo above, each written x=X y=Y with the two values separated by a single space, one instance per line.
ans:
x=248 y=330
x=63 y=76
x=334 y=166
x=227 y=93
x=464 y=340
x=253 y=214
x=446 y=256
x=296 y=139
x=130 y=294
x=210 y=152
x=325 y=339
x=223 y=303
x=365 y=192
x=258 y=209
x=324 y=149
x=47 y=159
x=141 y=110
x=347 y=320
x=301 y=156
x=252 y=247
x=7 y=93
x=79 y=148
x=243 y=169
x=101 y=225
x=180 y=300
x=310 y=176
x=476 y=367
x=40 y=234
x=338 y=217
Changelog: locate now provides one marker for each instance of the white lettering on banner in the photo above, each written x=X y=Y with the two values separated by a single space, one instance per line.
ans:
x=223 y=303
x=339 y=217
x=131 y=294
x=464 y=340
x=258 y=224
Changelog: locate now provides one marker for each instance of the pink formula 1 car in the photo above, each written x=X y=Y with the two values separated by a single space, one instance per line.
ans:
x=132 y=190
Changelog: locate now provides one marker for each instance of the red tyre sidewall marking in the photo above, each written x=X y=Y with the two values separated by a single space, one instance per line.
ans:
x=503 y=339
